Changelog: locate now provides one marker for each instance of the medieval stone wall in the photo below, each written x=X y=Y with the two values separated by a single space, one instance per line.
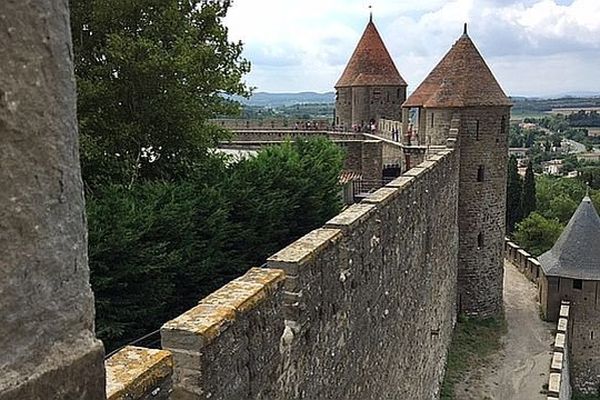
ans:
x=375 y=103
x=365 y=311
x=343 y=108
x=585 y=334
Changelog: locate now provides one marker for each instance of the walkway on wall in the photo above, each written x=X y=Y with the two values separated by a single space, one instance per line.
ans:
x=520 y=370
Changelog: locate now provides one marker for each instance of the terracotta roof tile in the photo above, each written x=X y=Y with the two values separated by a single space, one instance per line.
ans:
x=371 y=63
x=461 y=79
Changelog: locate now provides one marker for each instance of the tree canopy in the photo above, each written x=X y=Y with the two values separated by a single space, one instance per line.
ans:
x=156 y=248
x=538 y=234
x=150 y=73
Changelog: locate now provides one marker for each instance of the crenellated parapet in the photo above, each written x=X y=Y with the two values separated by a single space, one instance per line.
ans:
x=374 y=289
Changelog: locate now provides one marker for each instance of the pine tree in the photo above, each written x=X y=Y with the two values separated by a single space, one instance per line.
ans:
x=528 y=200
x=513 y=195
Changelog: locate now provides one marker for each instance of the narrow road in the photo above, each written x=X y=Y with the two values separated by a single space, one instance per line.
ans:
x=520 y=370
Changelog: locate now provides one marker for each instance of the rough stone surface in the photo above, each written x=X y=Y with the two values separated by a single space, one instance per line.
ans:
x=374 y=269
x=136 y=373
x=483 y=145
x=47 y=318
x=228 y=346
x=386 y=267
x=482 y=206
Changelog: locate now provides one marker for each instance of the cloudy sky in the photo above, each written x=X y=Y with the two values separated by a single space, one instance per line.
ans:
x=535 y=47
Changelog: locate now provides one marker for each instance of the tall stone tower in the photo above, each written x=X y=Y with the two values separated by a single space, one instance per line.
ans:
x=371 y=86
x=461 y=100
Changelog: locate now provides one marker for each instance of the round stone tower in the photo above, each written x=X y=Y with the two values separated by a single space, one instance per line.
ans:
x=462 y=99
x=371 y=87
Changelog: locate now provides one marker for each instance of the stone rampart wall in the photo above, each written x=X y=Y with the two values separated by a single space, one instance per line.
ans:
x=528 y=265
x=362 y=308
x=287 y=123
x=559 y=385
x=262 y=135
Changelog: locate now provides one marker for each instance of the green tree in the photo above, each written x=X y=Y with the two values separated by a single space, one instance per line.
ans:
x=513 y=195
x=157 y=247
x=537 y=234
x=528 y=195
x=590 y=175
x=150 y=73
x=283 y=193
x=562 y=208
x=548 y=188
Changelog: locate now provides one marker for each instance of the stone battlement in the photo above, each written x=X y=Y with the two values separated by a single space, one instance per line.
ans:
x=559 y=382
x=373 y=268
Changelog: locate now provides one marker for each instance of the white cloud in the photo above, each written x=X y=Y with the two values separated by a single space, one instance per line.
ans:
x=304 y=45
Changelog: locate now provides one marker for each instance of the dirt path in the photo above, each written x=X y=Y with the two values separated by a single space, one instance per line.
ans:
x=520 y=369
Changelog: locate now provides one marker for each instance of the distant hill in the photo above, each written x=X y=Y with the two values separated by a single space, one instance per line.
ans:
x=264 y=99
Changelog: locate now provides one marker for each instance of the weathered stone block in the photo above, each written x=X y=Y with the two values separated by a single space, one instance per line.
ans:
x=136 y=373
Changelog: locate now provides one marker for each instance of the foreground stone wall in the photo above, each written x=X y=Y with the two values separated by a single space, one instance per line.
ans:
x=366 y=309
x=46 y=304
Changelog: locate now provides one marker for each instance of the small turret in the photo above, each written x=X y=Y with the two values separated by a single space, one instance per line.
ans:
x=370 y=87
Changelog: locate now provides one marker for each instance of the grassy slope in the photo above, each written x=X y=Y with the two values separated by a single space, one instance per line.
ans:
x=472 y=344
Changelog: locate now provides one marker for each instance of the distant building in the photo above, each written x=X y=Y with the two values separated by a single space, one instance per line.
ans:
x=527 y=125
x=572 y=174
x=571 y=271
x=595 y=157
x=552 y=167
x=370 y=87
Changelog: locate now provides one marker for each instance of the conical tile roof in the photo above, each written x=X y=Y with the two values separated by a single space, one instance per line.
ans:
x=371 y=63
x=576 y=253
x=461 y=79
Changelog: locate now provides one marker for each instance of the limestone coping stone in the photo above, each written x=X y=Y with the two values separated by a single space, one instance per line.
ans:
x=415 y=172
x=552 y=398
x=134 y=371
x=356 y=213
x=216 y=312
x=559 y=342
x=427 y=164
x=513 y=245
x=557 y=361
x=401 y=182
x=382 y=196
x=554 y=383
x=306 y=248
x=562 y=325
x=524 y=253
x=436 y=157
x=564 y=310
x=534 y=261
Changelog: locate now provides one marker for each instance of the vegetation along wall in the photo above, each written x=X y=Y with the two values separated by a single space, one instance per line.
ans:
x=362 y=308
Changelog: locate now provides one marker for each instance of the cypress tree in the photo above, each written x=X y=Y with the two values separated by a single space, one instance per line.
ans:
x=513 y=195
x=528 y=200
